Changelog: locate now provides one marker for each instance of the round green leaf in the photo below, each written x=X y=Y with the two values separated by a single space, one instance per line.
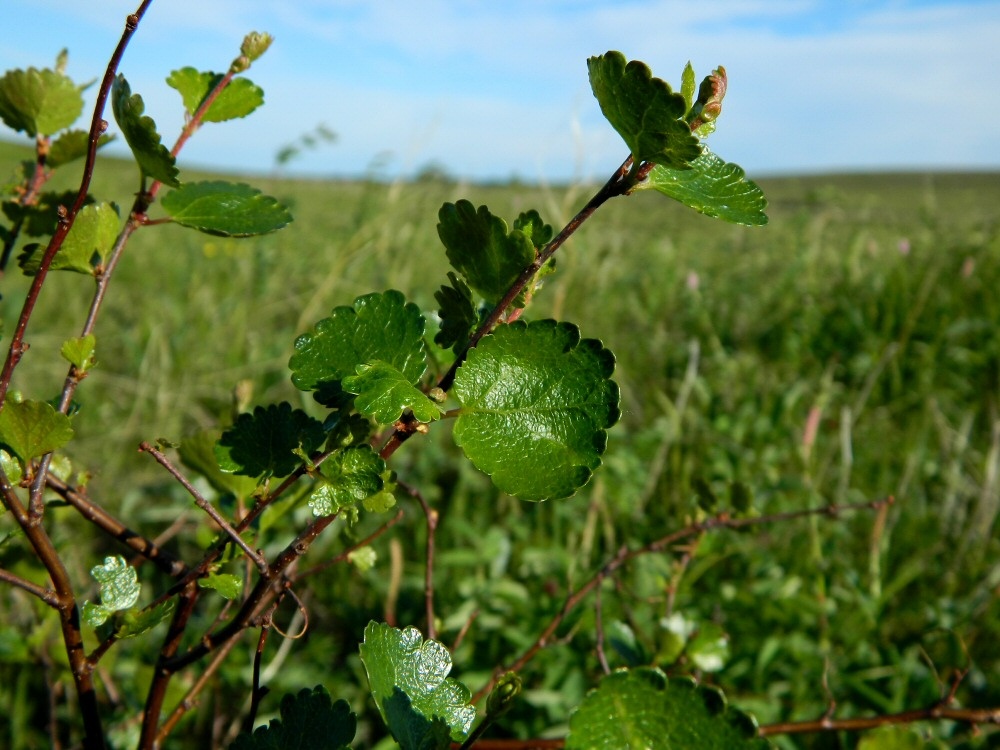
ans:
x=380 y=327
x=644 y=110
x=713 y=187
x=39 y=101
x=535 y=403
x=640 y=708
x=229 y=209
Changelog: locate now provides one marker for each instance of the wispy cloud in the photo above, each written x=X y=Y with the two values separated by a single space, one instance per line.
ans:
x=489 y=89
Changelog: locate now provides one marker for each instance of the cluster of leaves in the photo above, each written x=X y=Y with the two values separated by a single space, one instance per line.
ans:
x=531 y=401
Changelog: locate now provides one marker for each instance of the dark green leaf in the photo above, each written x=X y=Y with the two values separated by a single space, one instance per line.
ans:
x=640 y=708
x=480 y=247
x=401 y=661
x=644 y=110
x=39 y=101
x=410 y=728
x=536 y=401
x=72 y=145
x=384 y=393
x=309 y=721
x=30 y=429
x=530 y=222
x=712 y=187
x=119 y=588
x=238 y=99
x=89 y=240
x=135 y=622
x=380 y=327
x=229 y=209
x=153 y=158
x=707 y=499
x=349 y=477
x=741 y=498
x=197 y=452
x=268 y=442
x=40 y=220
x=457 y=313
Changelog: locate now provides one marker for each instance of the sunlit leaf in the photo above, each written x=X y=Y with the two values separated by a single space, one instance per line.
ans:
x=30 y=429
x=39 y=101
x=410 y=684
x=713 y=187
x=644 y=110
x=119 y=589
x=228 y=209
x=641 y=708
x=349 y=477
x=384 y=393
x=238 y=99
x=536 y=402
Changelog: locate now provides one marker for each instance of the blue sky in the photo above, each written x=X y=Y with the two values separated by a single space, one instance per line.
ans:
x=490 y=90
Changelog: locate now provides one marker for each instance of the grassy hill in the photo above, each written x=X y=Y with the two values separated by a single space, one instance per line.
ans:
x=847 y=351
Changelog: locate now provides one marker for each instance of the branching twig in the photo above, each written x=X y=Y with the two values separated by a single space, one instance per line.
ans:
x=625 y=555
x=206 y=506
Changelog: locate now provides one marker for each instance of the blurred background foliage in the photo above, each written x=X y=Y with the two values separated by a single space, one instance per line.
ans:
x=847 y=352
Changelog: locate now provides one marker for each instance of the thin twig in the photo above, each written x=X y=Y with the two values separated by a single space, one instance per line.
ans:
x=48 y=596
x=432 y=521
x=625 y=555
x=206 y=506
x=257 y=693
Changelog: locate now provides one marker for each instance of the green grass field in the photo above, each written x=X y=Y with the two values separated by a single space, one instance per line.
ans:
x=846 y=352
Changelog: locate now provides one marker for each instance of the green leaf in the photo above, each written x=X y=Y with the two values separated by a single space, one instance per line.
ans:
x=380 y=327
x=892 y=738
x=401 y=662
x=644 y=110
x=229 y=586
x=309 y=721
x=410 y=728
x=30 y=429
x=72 y=145
x=350 y=477
x=480 y=247
x=40 y=219
x=227 y=209
x=536 y=401
x=457 y=313
x=384 y=393
x=238 y=99
x=713 y=187
x=79 y=352
x=640 y=708
x=119 y=588
x=140 y=132
x=93 y=234
x=11 y=467
x=530 y=222
x=135 y=622
x=709 y=648
x=687 y=85
x=268 y=442
x=39 y=101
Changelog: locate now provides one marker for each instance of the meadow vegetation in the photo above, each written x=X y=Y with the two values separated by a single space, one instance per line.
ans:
x=847 y=352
